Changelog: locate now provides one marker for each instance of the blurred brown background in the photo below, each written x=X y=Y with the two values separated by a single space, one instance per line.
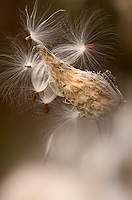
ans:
x=18 y=138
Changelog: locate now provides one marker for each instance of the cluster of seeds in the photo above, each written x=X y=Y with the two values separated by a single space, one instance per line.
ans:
x=51 y=73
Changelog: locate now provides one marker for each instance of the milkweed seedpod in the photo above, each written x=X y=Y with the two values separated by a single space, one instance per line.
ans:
x=93 y=94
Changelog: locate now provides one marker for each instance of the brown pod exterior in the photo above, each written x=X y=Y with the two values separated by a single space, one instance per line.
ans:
x=95 y=95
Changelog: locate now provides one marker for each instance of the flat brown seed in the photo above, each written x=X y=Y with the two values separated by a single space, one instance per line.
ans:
x=90 y=47
x=46 y=108
x=28 y=37
x=27 y=66
x=35 y=96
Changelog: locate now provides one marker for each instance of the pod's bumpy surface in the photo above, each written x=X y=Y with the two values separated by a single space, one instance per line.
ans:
x=95 y=95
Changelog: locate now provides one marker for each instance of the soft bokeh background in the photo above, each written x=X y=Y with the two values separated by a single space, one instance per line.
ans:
x=18 y=132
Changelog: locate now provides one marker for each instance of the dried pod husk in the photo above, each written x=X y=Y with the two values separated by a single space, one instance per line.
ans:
x=94 y=95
